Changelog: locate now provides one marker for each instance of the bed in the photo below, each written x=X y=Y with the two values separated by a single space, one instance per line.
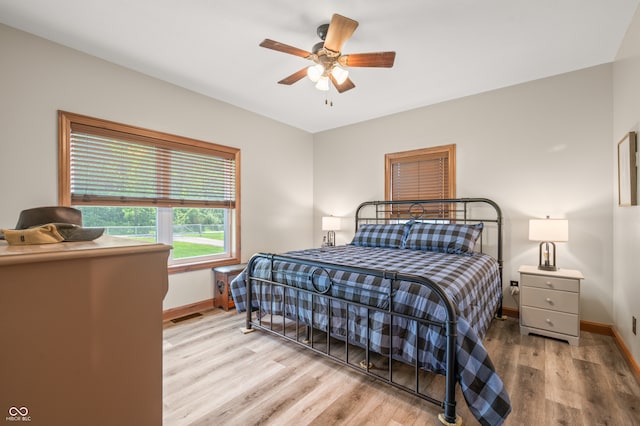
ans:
x=413 y=294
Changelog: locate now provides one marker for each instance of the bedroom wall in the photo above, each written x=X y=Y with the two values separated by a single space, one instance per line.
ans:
x=39 y=77
x=539 y=148
x=626 y=220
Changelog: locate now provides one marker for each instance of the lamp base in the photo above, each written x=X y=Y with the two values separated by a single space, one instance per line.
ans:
x=548 y=267
x=544 y=262
x=331 y=238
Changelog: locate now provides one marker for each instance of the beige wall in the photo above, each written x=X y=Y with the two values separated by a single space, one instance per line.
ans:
x=626 y=220
x=38 y=78
x=539 y=148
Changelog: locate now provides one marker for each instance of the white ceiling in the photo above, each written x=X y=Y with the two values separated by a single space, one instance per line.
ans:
x=446 y=49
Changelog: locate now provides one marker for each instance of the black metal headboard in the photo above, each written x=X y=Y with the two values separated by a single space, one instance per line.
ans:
x=455 y=210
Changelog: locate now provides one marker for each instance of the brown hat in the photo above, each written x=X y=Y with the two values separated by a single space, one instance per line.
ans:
x=41 y=215
x=66 y=221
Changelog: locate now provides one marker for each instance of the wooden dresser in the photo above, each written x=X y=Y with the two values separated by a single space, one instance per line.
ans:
x=81 y=332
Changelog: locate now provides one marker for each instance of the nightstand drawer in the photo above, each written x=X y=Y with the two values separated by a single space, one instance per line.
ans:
x=562 y=301
x=552 y=283
x=558 y=322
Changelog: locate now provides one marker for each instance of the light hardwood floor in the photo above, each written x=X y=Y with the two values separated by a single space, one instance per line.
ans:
x=215 y=375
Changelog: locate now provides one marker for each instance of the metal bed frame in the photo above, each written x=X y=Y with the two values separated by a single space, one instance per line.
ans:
x=462 y=210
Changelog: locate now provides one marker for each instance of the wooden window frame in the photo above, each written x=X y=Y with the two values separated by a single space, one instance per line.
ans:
x=67 y=119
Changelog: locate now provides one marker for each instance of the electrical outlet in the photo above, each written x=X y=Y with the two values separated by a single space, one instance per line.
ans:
x=514 y=283
x=633 y=325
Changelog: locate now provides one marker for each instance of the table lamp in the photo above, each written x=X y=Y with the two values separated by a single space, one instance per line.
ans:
x=548 y=232
x=331 y=224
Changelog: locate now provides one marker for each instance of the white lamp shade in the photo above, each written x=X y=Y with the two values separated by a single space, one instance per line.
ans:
x=330 y=223
x=323 y=84
x=339 y=74
x=314 y=72
x=556 y=230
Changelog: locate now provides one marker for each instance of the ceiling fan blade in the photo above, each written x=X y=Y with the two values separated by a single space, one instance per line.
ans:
x=296 y=76
x=340 y=29
x=285 y=48
x=346 y=85
x=375 y=59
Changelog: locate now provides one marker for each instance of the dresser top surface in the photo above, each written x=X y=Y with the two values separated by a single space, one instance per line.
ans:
x=560 y=273
x=11 y=254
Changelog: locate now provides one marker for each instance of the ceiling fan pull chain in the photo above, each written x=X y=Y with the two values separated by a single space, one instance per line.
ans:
x=327 y=102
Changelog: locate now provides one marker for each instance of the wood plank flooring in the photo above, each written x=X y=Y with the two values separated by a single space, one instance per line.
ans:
x=215 y=375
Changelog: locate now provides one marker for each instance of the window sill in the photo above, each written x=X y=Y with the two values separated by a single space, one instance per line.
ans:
x=177 y=269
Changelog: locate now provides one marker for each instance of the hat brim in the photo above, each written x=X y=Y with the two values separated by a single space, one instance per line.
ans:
x=71 y=232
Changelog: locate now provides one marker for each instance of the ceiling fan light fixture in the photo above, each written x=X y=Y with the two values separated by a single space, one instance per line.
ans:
x=314 y=72
x=323 y=84
x=340 y=74
x=329 y=62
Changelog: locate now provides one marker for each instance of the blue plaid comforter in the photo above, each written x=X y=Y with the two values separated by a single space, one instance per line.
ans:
x=471 y=282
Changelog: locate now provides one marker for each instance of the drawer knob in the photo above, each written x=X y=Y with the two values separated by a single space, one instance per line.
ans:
x=549 y=283
x=549 y=301
x=549 y=321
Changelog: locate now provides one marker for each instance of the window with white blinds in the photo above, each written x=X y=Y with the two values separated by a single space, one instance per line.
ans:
x=423 y=174
x=108 y=166
x=149 y=185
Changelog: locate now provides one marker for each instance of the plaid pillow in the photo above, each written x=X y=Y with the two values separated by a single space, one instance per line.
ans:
x=444 y=238
x=380 y=235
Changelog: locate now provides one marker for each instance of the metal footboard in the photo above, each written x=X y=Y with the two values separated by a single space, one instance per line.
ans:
x=295 y=329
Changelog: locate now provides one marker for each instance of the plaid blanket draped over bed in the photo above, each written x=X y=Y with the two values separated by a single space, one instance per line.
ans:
x=471 y=282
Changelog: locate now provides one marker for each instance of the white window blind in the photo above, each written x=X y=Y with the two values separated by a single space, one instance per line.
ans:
x=112 y=167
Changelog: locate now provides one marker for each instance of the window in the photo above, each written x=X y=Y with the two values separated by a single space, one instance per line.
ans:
x=422 y=174
x=152 y=186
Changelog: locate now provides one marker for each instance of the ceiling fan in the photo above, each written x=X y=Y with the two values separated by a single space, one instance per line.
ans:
x=328 y=58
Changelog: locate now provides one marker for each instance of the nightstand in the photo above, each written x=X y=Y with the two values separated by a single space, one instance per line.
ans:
x=550 y=303
x=222 y=277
